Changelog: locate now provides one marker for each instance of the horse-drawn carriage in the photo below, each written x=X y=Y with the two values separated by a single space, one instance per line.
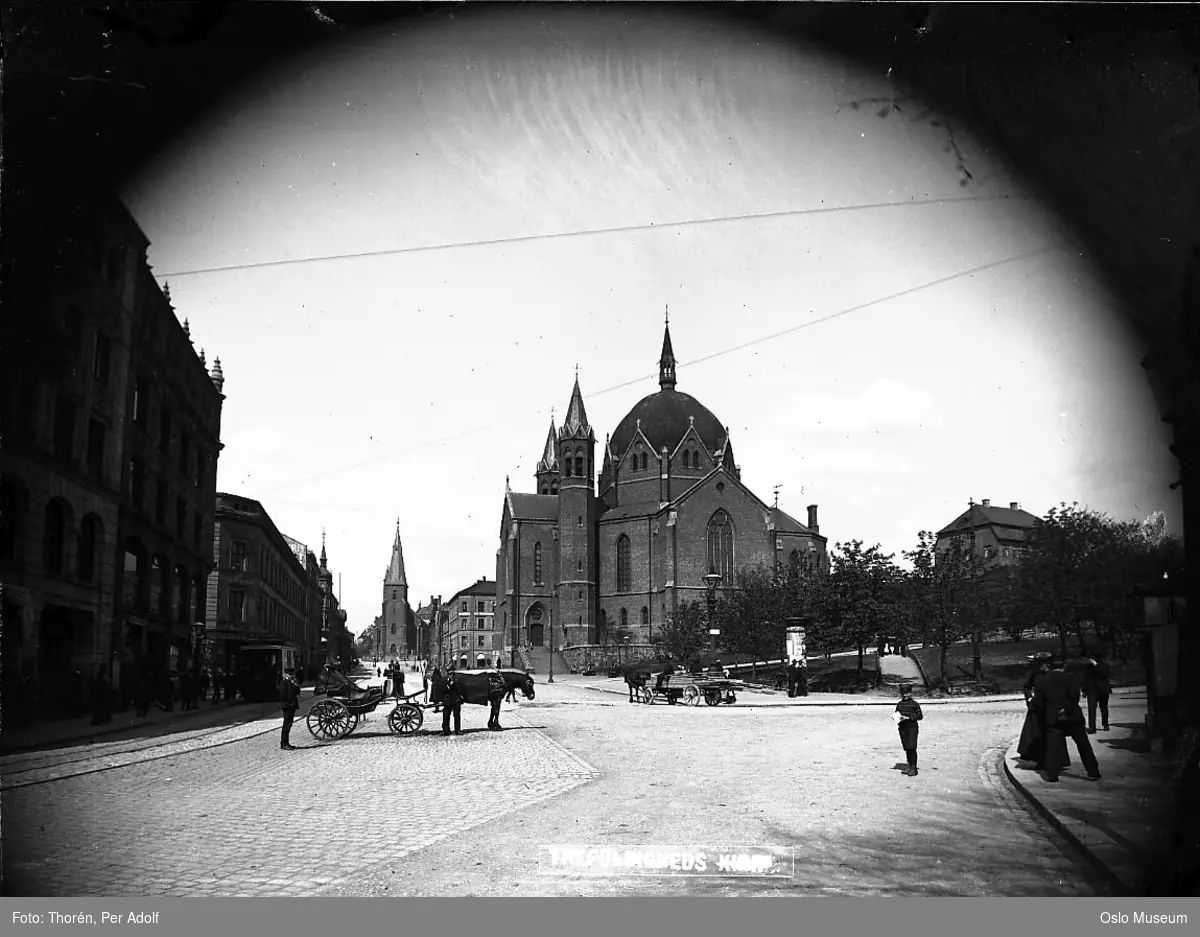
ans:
x=713 y=690
x=346 y=702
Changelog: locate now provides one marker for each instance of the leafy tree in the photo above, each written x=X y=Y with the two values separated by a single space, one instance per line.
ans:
x=752 y=614
x=859 y=602
x=685 y=634
x=944 y=591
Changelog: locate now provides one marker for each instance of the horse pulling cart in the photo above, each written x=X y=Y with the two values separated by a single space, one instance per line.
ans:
x=713 y=691
x=346 y=703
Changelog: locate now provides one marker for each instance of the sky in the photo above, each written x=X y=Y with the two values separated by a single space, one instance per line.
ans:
x=402 y=247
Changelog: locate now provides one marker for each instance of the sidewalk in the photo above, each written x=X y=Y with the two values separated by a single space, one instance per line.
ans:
x=1113 y=822
x=156 y=722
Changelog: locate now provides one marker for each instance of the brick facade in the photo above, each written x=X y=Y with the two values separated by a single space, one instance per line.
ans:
x=629 y=556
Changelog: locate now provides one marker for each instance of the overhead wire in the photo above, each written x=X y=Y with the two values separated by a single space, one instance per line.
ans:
x=590 y=232
x=1026 y=255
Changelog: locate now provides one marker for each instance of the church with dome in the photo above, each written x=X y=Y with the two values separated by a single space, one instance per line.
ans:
x=616 y=548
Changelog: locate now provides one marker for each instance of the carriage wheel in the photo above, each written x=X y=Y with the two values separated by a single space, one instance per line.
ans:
x=354 y=718
x=691 y=694
x=647 y=695
x=712 y=697
x=405 y=719
x=328 y=719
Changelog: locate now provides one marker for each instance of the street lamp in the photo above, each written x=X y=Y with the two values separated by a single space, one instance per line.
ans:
x=712 y=579
x=550 y=622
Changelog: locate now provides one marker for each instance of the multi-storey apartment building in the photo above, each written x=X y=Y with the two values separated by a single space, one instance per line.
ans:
x=107 y=469
x=260 y=590
x=469 y=634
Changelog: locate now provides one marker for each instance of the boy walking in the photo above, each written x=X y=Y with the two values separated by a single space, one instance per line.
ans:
x=907 y=715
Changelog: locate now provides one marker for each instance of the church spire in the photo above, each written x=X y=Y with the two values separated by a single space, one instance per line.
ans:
x=666 y=362
x=395 y=573
x=549 y=462
x=576 y=422
x=323 y=566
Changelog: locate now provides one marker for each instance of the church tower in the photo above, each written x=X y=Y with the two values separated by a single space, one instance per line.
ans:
x=547 y=468
x=577 y=526
x=395 y=602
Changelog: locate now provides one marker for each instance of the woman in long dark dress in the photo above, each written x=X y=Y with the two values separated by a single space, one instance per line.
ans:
x=1032 y=744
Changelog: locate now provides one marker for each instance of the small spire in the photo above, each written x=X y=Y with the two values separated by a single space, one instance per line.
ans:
x=217 y=375
x=323 y=562
x=167 y=292
x=202 y=357
x=576 y=420
x=187 y=329
x=666 y=362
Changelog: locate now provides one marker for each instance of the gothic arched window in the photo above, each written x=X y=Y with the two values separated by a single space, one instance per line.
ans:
x=695 y=460
x=643 y=461
x=686 y=454
x=623 y=563
x=645 y=615
x=537 y=562
x=624 y=618
x=579 y=463
x=56 y=537
x=720 y=546
x=554 y=488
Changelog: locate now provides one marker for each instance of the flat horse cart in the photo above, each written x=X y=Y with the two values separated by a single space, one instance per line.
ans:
x=346 y=703
x=645 y=687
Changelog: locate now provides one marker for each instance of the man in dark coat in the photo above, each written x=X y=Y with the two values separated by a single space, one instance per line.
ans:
x=437 y=689
x=289 y=702
x=1097 y=689
x=496 y=690
x=452 y=702
x=908 y=715
x=791 y=678
x=1057 y=694
x=801 y=678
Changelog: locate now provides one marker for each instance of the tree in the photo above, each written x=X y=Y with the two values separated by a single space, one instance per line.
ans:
x=943 y=591
x=1081 y=566
x=685 y=634
x=751 y=615
x=858 y=604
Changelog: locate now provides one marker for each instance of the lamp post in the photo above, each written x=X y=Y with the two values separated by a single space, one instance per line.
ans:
x=712 y=579
x=550 y=622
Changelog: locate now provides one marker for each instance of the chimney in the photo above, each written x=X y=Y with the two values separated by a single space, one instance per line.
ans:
x=1014 y=506
x=987 y=503
x=812 y=519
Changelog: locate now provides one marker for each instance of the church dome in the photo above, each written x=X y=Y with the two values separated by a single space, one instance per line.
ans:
x=665 y=418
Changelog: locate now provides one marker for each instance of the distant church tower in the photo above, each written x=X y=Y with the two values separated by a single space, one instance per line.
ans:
x=395 y=601
x=578 y=602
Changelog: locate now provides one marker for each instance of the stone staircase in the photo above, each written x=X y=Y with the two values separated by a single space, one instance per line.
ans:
x=537 y=659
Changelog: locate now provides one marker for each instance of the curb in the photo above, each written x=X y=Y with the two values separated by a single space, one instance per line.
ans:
x=1123 y=888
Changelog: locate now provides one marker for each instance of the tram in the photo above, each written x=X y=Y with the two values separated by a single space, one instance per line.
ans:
x=261 y=668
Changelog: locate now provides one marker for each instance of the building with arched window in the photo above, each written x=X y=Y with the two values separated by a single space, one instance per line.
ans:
x=111 y=422
x=611 y=551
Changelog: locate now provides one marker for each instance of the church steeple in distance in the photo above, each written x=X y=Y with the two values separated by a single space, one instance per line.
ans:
x=395 y=572
x=666 y=362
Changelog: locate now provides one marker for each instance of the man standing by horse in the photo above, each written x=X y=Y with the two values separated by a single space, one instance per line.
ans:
x=452 y=700
x=496 y=690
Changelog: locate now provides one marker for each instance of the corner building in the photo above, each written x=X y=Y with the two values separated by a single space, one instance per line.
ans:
x=585 y=563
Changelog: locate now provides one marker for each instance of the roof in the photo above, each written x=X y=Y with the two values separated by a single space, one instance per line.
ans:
x=636 y=509
x=664 y=419
x=549 y=460
x=785 y=523
x=977 y=516
x=482 y=587
x=535 y=507
x=395 y=570
x=576 y=422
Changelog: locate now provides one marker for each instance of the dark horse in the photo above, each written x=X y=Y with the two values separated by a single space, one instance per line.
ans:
x=636 y=677
x=483 y=687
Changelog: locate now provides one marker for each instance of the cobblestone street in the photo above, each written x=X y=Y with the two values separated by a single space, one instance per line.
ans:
x=224 y=812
